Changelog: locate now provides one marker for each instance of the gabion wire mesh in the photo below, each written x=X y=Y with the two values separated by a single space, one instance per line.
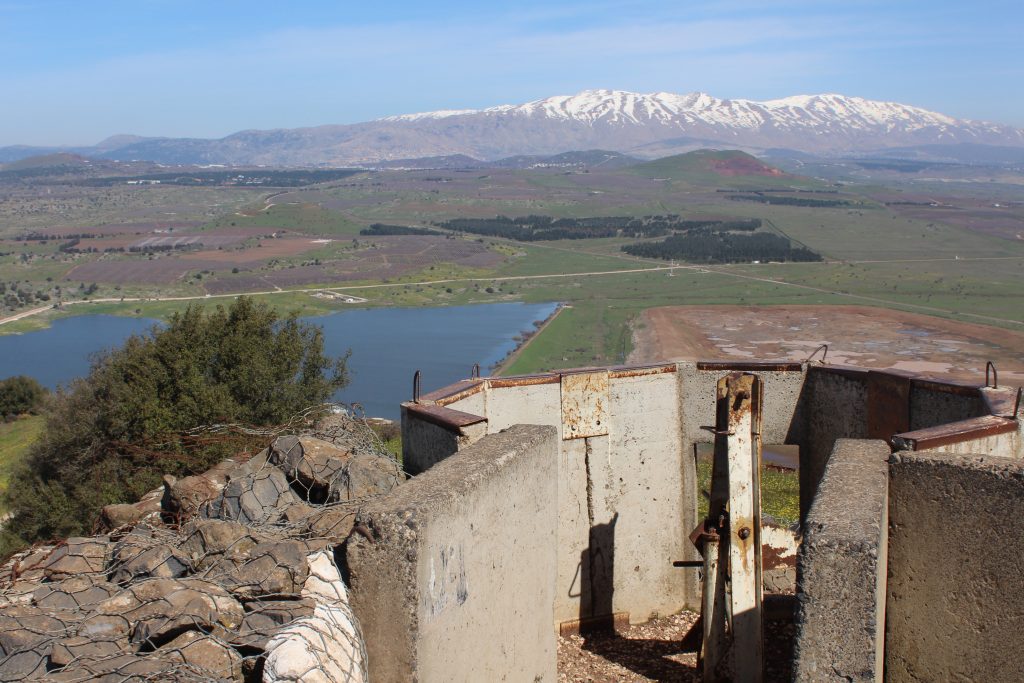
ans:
x=243 y=586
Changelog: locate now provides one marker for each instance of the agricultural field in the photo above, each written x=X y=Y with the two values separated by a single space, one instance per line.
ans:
x=946 y=247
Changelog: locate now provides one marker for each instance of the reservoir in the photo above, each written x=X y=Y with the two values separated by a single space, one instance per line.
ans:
x=388 y=346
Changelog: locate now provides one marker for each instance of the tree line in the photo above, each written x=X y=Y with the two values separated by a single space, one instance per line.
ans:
x=710 y=246
x=380 y=229
x=789 y=201
x=535 y=228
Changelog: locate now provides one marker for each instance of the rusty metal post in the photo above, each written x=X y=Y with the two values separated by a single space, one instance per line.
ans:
x=733 y=644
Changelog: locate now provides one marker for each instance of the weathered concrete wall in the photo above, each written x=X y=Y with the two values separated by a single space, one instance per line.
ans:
x=453 y=572
x=935 y=403
x=955 y=607
x=835 y=407
x=842 y=568
x=626 y=497
x=430 y=437
x=783 y=420
x=425 y=444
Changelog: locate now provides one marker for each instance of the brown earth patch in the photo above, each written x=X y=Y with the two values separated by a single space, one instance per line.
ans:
x=267 y=249
x=857 y=335
x=140 y=271
x=742 y=167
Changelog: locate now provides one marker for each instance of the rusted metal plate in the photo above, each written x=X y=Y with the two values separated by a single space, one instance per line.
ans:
x=448 y=418
x=888 y=404
x=454 y=392
x=752 y=366
x=584 y=405
x=618 y=371
x=523 y=380
x=954 y=432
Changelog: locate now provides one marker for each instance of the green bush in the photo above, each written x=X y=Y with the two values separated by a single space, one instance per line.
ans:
x=110 y=436
x=20 y=395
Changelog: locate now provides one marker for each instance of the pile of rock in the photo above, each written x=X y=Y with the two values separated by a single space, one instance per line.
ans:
x=229 y=575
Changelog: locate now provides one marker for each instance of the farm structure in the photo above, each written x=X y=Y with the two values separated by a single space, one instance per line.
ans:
x=564 y=502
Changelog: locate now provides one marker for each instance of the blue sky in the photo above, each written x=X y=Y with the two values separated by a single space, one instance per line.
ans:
x=75 y=72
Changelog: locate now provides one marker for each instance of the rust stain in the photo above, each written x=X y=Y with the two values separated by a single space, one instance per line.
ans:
x=584 y=405
x=751 y=366
x=955 y=432
x=774 y=558
x=454 y=392
x=523 y=380
x=619 y=371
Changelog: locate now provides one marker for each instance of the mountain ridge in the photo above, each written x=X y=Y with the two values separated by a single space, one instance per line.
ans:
x=644 y=125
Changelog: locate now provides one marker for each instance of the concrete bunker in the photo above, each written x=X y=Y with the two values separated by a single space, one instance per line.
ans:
x=595 y=520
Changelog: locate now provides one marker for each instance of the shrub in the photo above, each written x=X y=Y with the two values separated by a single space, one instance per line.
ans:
x=19 y=395
x=110 y=436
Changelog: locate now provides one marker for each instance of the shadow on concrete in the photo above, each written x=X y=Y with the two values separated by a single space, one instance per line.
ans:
x=598 y=621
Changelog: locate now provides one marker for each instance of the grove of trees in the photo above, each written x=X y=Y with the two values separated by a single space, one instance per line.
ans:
x=709 y=246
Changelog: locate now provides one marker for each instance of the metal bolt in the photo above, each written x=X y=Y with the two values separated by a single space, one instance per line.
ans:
x=744 y=533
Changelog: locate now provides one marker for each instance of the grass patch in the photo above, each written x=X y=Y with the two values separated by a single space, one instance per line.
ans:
x=780 y=491
x=15 y=439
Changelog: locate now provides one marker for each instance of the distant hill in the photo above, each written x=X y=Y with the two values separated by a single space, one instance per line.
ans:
x=56 y=160
x=716 y=168
x=645 y=125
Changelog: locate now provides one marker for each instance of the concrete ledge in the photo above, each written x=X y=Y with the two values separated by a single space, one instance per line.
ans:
x=841 y=568
x=453 y=573
x=955 y=607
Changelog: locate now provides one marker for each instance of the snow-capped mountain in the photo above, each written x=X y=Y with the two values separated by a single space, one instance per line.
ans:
x=810 y=123
x=645 y=125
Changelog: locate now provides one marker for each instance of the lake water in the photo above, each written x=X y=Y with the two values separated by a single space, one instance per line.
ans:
x=388 y=346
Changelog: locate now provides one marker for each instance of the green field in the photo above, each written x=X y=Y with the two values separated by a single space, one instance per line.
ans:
x=15 y=439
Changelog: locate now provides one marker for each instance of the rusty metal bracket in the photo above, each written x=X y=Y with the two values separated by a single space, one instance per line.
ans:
x=475 y=372
x=716 y=431
x=815 y=352
x=989 y=365
x=416 y=387
x=1016 y=403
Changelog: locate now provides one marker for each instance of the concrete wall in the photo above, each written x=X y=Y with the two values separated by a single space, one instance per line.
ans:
x=452 y=574
x=626 y=496
x=842 y=569
x=935 y=403
x=835 y=407
x=955 y=605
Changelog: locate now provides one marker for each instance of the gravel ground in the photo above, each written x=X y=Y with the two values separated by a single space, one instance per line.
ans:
x=655 y=651
x=644 y=652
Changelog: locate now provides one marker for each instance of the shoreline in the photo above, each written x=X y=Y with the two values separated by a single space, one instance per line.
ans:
x=518 y=350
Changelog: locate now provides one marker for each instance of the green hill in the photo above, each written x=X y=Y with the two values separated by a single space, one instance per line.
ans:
x=720 y=168
x=58 y=160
